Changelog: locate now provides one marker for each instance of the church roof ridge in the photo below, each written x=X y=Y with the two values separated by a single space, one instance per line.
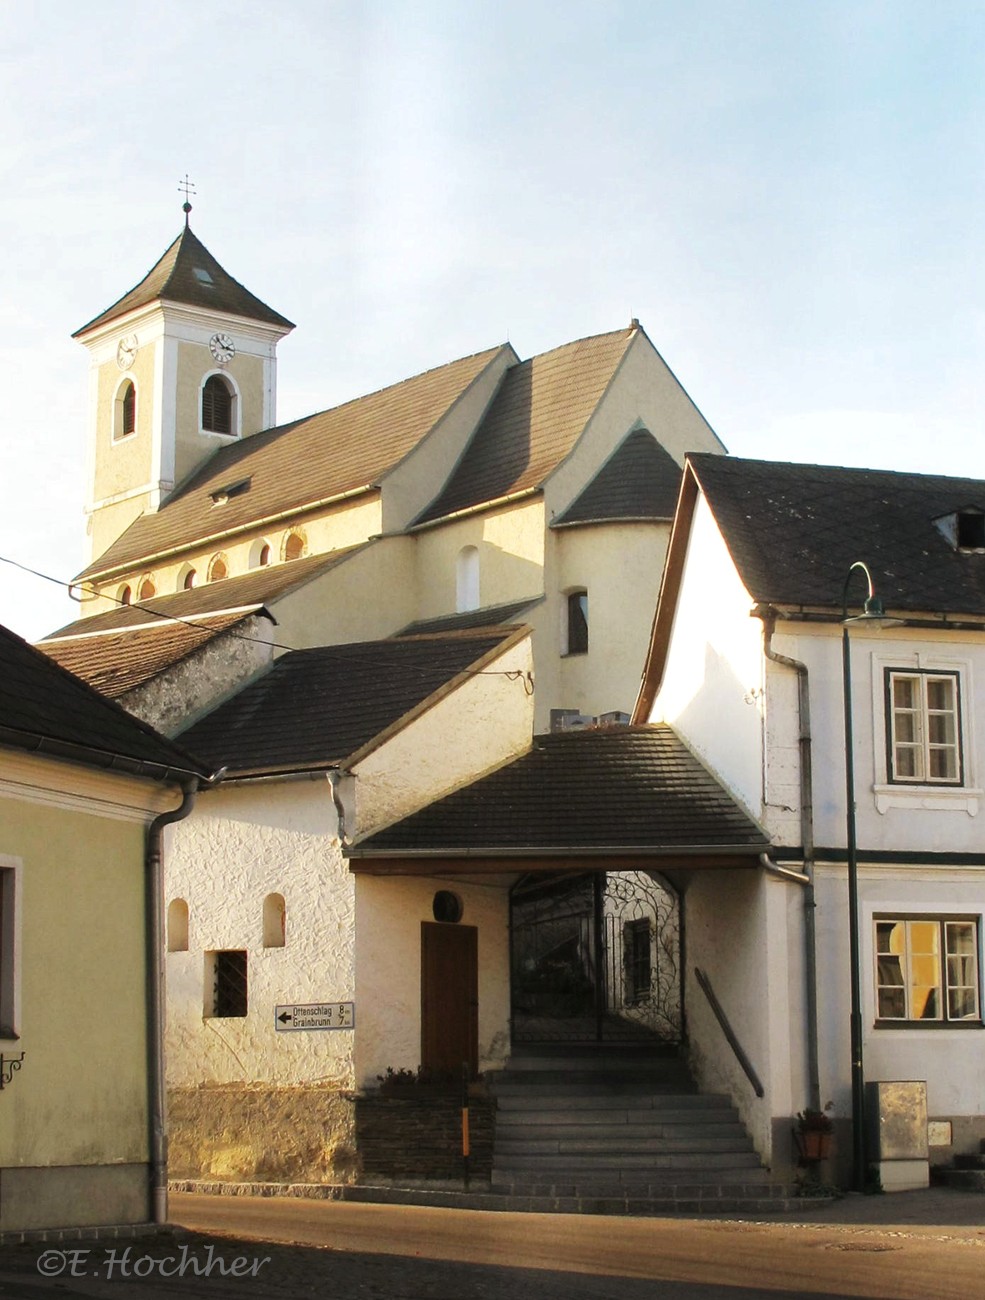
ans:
x=188 y=273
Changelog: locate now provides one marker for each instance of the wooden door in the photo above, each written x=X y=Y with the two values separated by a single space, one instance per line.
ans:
x=449 y=997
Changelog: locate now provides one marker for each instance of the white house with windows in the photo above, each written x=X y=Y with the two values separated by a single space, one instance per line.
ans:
x=746 y=664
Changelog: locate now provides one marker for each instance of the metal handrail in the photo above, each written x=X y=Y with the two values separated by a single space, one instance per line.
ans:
x=728 y=1031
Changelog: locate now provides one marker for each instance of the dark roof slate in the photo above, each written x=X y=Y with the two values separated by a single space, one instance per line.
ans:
x=117 y=662
x=537 y=415
x=795 y=530
x=632 y=788
x=257 y=587
x=490 y=616
x=315 y=459
x=45 y=709
x=314 y=708
x=188 y=273
x=640 y=480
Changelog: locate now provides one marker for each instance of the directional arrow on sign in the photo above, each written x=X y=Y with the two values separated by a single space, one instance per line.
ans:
x=284 y=1018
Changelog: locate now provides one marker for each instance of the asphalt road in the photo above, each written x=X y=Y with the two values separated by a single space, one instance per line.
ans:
x=285 y=1247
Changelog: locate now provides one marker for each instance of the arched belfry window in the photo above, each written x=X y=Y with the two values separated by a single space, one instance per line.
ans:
x=467 y=579
x=125 y=410
x=218 y=402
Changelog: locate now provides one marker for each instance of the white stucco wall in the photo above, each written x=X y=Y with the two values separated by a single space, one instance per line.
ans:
x=712 y=689
x=389 y=913
x=241 y=843
x=479 y=726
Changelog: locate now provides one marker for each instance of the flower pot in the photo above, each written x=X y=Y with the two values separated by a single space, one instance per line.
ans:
x=815 y=1144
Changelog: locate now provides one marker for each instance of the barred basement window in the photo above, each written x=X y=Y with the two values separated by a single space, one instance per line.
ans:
x=226 y=984
x=927 y=970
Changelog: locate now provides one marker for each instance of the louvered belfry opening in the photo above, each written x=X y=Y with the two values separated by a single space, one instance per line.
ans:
x=217 y=405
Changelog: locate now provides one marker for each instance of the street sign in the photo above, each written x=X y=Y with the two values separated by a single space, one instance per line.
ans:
x=315 y=1015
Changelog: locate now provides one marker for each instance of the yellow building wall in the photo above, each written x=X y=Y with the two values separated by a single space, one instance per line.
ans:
x=194 y=362
x=124 y=463
x=510 y=542
x=80 y=1098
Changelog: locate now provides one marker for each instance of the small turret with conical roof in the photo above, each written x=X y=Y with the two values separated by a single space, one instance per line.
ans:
x=181 y=364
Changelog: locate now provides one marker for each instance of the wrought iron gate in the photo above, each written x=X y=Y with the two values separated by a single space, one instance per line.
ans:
x=595 y=957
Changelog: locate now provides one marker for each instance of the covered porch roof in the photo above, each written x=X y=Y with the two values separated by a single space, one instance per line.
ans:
x=616 y=798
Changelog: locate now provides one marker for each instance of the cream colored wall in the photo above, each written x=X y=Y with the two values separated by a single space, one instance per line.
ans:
x=335 y=529
x=195 y=361
x=369 y=595
x=619 y=565
x=126 y=462
x=415 y=482
x=242 y=843
x=81 y=1096
x=510 y=542
x=477 y=727
x=389 y=912
x=642 y=392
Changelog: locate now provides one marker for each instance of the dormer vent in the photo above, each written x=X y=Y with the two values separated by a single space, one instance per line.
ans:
x=965 y=529
x=203 y=276
x=224 y=494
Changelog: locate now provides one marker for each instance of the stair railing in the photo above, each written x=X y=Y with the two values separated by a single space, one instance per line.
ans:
x=733 y=1042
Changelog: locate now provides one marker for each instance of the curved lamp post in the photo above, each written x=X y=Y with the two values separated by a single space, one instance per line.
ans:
x=874 y=615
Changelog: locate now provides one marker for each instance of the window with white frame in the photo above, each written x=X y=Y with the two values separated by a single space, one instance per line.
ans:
x=927 y=970
x=923 y=727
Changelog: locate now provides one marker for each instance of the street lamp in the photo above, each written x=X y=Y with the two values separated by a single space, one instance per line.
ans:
x=873 y=614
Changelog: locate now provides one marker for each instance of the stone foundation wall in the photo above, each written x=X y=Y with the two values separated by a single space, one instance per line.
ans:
x=239 y=1133
x=236 y=1133
x=419 y=1137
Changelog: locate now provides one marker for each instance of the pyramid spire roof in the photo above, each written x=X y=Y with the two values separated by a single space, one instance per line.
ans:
x=188 y=273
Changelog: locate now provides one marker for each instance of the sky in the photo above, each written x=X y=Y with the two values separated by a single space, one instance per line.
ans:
x=788 y=196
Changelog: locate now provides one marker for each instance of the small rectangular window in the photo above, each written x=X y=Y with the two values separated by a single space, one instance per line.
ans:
x=927 y=970
x=637 y=961
x=923 y=727
x=577 y=623
x=226 y=984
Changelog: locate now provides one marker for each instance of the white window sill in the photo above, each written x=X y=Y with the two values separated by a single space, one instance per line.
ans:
x=936 y=798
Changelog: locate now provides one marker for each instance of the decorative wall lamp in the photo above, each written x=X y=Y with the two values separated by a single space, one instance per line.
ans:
x=874 y=615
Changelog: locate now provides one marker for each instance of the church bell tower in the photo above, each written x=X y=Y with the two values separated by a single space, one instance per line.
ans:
x=181 y=365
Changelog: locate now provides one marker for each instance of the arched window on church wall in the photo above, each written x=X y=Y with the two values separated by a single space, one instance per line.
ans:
x=218 y=568
x=177 y=925
x=147 y=588
x=467 y=579
x=187 y=578
x=294 y=545
x=125 y=410
x=218 y=405
x=124 y=595
x=274 y=921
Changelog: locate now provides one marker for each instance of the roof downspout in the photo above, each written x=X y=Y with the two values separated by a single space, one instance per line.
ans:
x=768 y=617
x=154 y=907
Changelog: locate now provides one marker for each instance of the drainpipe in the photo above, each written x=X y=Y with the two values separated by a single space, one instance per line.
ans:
x=154 y=903
x=768 y=617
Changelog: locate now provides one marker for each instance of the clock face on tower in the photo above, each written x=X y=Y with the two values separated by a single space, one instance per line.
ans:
x=222 y=348
x=126 y=350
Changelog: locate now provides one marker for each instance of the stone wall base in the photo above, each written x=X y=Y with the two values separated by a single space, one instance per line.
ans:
x=238 y=1133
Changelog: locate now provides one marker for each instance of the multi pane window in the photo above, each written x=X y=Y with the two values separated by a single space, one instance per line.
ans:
x=924 y=727
x=927 y=969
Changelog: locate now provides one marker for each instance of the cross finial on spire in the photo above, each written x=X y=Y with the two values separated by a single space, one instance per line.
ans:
x=188 y=188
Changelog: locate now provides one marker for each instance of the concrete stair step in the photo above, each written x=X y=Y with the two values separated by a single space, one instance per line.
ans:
x=575 y=1085
x=508 y=1147
x=527 y=1127
x=628 y=1161
x=589 y=1103
x=584 y=1182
